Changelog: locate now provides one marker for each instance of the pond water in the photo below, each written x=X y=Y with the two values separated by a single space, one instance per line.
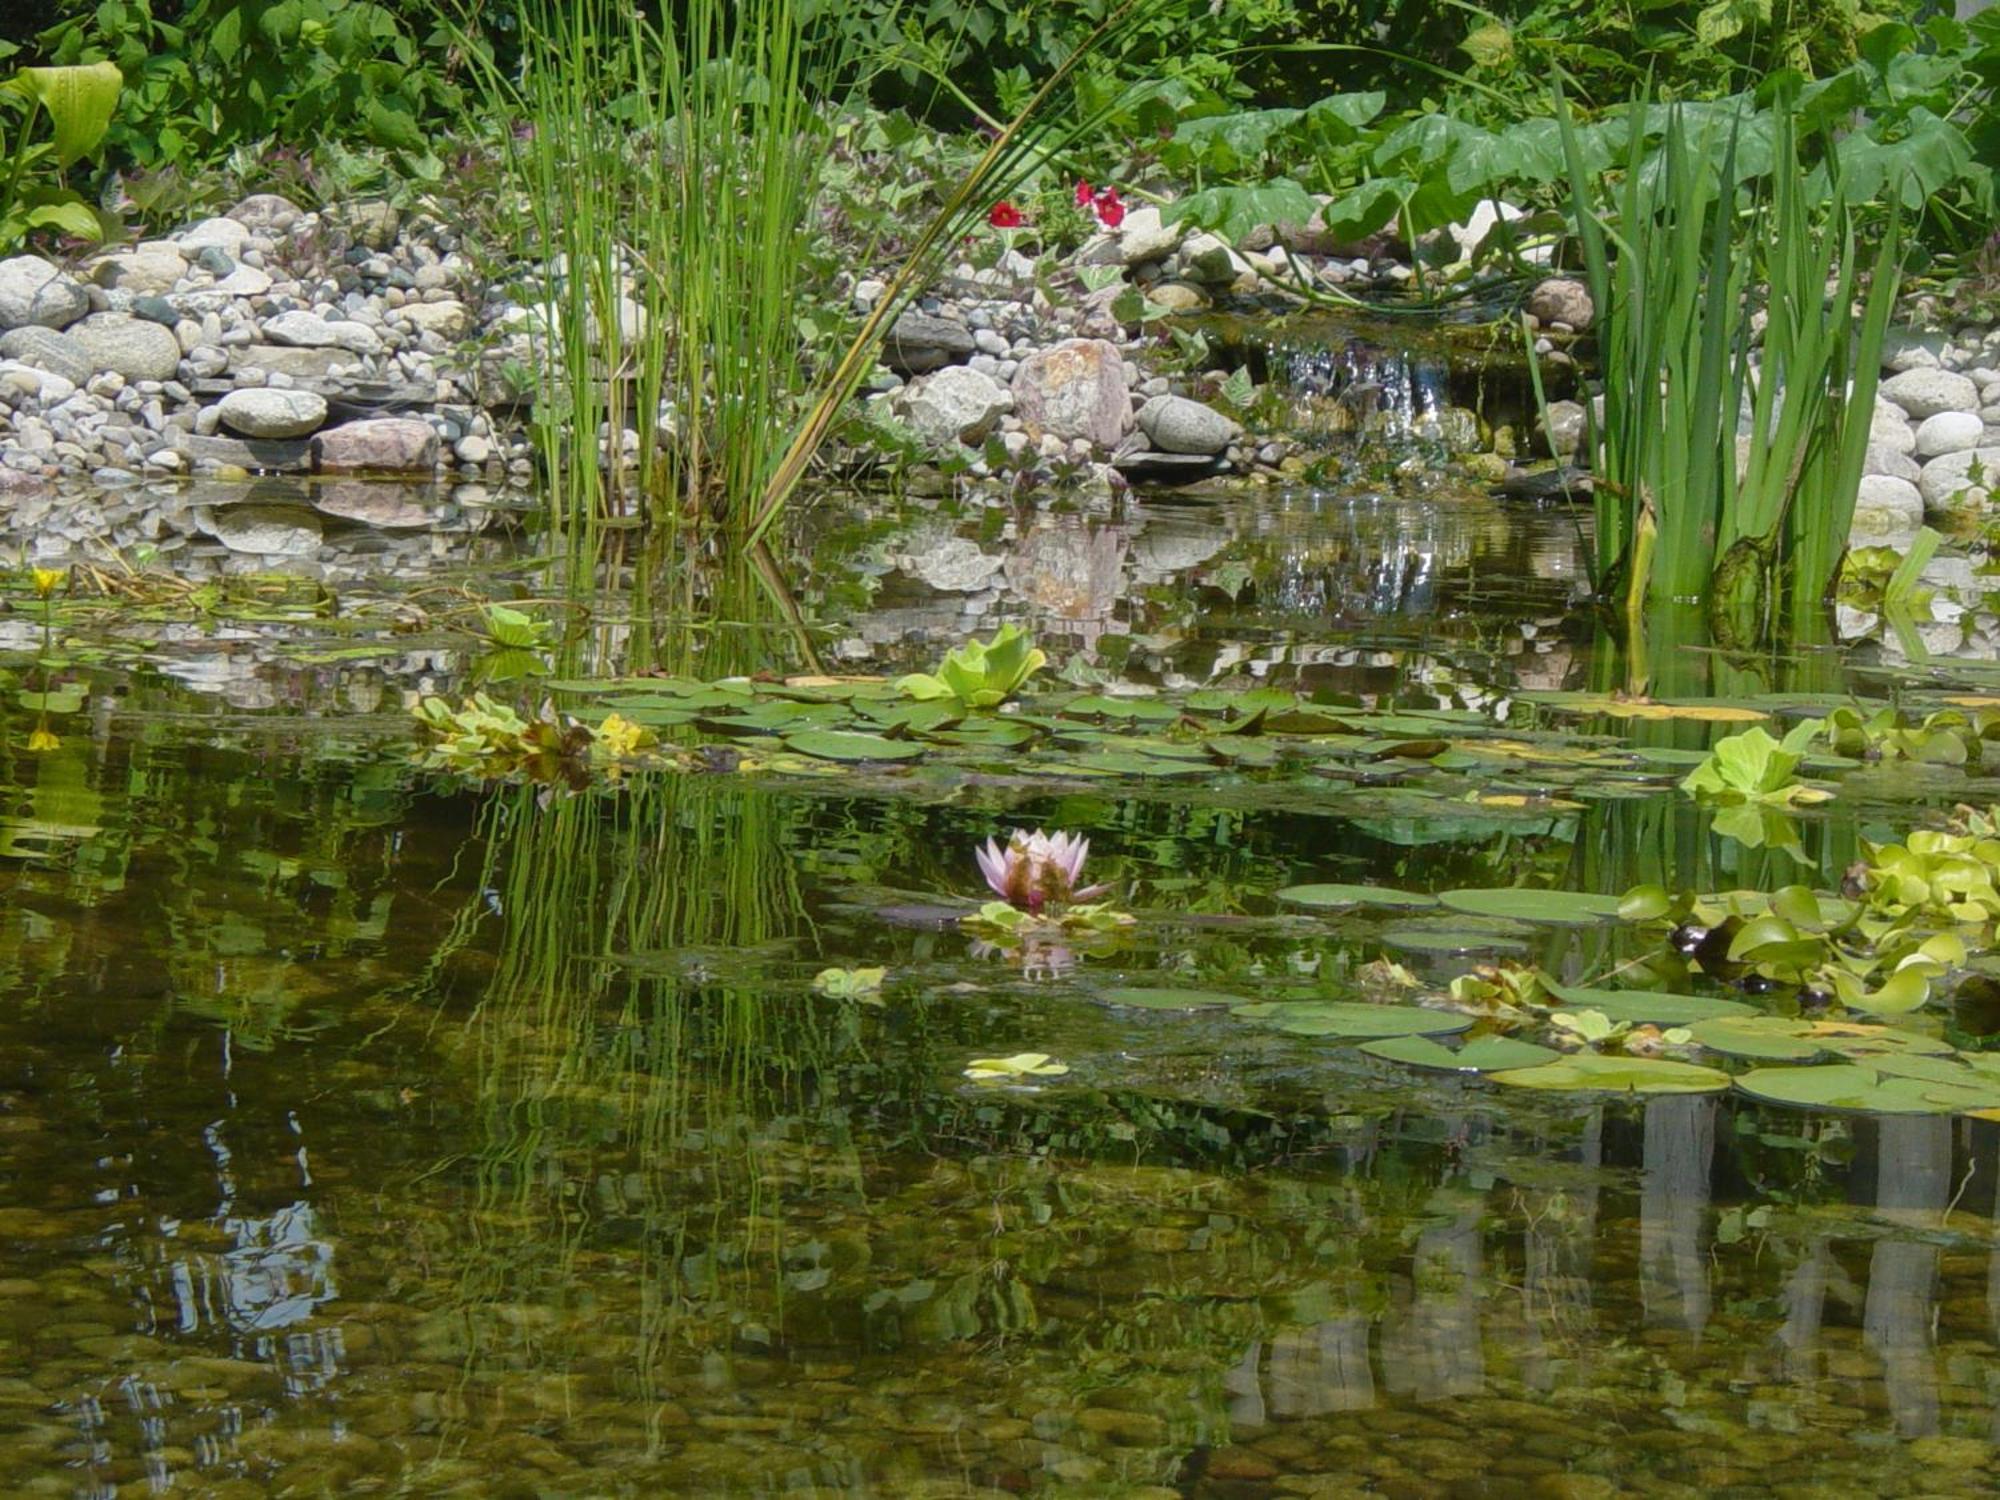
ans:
x=365 y=1129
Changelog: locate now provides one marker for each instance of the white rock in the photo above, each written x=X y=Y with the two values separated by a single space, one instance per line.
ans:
x=226 y=235
x=1948 y=484
x=1948 y=432
x=1176 y=424
x=33 y=291
x=244 y=281
x=1142 y=237
x=956 y=405
x=1925 y=393
x=151 y=266
x=356 y=338
x=302 y=330
x=1207 y=259
x=449 y=319
x=18 y=381
x=1887 y=506
x=1905 y=349
x=132 y=347
x=271 y=413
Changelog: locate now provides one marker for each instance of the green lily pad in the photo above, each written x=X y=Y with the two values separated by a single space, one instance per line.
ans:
x=1489 y=1054
x=847 y=744
x=1557 y=908
x=1767 y=1038
x=1865 y=1089
x=1350 y=1019
x=1333 y=897
x=1595 y=1072
x=1169 y=999
x=1458 y=935
x=1641 y=1006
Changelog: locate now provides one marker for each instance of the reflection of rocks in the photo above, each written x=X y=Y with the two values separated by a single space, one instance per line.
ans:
x=1068 y=570
x=951 y=565
x=386 y=507
x=265 y=530
x=1172 y=544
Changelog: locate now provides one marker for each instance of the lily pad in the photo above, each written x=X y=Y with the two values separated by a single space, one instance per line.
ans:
x=1333 y=897
x=1458 y=935
x=1169 y=999
x=1867 y=1090
x=1487 y=1055
x=1548 y=908
x=848 y=744
x=1350 y=1019
x=1641 y=1006
x=1598 y=1073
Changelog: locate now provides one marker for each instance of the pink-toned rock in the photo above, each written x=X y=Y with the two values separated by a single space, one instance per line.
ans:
x=1075 y=390
x=379 y=444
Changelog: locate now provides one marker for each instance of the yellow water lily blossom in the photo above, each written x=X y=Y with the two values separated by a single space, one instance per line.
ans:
x=48 y=580
x=41 y=740
x=620 y=737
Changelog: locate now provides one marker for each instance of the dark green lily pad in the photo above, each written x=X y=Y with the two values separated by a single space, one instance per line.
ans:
x=1599 y=1073
x=1490 y=1054
x=1459 y=935
x=1169 y=999
x=850 y=745
x=1333 y=897
x=1353 y=1020
x=1552 y=908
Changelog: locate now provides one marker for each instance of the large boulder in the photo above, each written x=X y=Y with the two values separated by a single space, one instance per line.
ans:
x=1948 y=485
x=46 y=349
x=1887 y=506
x=1075 y=390
x=1562 y=299
x=1143 y=237
x=226 y=235
x=1176 y=424
x=1925 y=393
x=1949 y=432
x=265 y=412
x=149 y=267
x=918 y=343
x=132 y=347
x=955 y=405
x=34 y=292
x=377 y=445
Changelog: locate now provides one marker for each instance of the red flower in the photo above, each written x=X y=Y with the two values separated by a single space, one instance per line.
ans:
x=1082 y=193
x=1003 y=215
x=1110 y=209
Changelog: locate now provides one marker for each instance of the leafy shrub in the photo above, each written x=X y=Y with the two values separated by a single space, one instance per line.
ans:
x=205 y=75
x=78 y=102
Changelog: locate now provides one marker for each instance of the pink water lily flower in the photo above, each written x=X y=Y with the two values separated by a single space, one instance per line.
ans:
x=1037 y=870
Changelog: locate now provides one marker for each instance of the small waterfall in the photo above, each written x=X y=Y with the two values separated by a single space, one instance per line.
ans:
x=1358 y=387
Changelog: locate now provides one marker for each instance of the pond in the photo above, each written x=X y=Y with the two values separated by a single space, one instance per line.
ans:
x=368 y=1127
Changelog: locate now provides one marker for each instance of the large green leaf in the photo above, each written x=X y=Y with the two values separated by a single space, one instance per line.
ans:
x=843 y=744
x=1868 y=1089
x=1489 y=1054
x=1642 y=1006
x=1333 y=897
x=1556 y=908
x=1169 y=999
x=1593 y=1072
x=1352 y=1019
x=80 y=99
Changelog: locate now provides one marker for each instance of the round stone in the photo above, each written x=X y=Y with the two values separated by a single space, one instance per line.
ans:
x=272 y=413
x=1948 y=484
x=34 y=292
x=1887 y=506
x=1178 y=425
x=1925 y=393
x=1948 y=432
x=131 y=347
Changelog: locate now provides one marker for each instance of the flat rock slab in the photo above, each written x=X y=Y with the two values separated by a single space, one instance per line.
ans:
x=271 y=455
x=275 y=359
x=45 y=349
x=918 y=343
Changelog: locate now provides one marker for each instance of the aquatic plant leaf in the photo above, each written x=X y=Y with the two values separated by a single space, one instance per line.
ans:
x=1333 y=897
x=1350 y=1019
x=1459 y=935
x=1592 y=1072
x=851 y=745
x=1639 y=1006
x=1020 y=1065
x=980 y=674
x=1552 y=908
x=1489 y=1054
x=1129 y=763
x=1170 y=999
x=1644 y=903
x=1703 y=711
x=58 y=700
x=1767 y=1038
x=850 y=984
x=1853 y=1086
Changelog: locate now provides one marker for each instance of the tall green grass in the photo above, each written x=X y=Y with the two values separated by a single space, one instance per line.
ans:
x=671 y=171
x=1682 y=256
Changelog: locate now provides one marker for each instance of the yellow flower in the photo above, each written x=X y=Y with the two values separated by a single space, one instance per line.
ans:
x=48 y=580
x=42 y=740
x=619 y=737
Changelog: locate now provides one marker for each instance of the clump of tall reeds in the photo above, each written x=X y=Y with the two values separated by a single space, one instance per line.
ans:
x=1727 y=457
x=669 y=172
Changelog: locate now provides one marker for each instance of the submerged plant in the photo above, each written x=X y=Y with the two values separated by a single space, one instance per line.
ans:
x=980 y=674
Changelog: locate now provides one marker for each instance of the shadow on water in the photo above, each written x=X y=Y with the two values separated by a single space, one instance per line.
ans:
x=368 y=1131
